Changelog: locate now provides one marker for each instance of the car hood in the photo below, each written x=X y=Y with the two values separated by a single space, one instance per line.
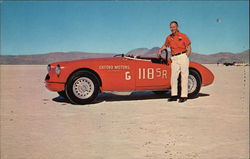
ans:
x=65 y=63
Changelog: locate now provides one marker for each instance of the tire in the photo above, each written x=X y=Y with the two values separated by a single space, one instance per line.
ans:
x=82 y=87
x=194 y=84
x=62 y=94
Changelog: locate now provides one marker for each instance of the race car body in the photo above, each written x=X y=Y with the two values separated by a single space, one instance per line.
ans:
x=81 y=80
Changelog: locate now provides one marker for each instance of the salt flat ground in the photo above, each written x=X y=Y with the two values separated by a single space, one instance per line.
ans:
x=37 y=124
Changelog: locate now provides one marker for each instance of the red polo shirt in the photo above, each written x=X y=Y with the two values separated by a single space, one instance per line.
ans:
x=177 y=42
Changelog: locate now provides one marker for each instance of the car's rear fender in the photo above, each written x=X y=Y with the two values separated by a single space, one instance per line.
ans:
x=207 y=76
x=192 y=68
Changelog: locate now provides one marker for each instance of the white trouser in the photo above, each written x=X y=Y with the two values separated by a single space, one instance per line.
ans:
x=180 y=64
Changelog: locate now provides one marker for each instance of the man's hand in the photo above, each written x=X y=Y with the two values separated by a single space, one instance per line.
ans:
x=188 y=50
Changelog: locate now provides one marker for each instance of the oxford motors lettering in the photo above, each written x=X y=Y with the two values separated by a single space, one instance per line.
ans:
x=151 y=73
x=114 y=67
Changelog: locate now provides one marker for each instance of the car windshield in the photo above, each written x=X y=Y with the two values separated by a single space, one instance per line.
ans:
x=144 y=52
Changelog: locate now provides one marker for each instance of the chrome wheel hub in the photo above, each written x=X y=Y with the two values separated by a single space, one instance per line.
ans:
x=192 y=84
x=83 y=88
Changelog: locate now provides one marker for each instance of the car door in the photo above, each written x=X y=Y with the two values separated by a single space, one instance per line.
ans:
x=117 y=74
x=151 y=76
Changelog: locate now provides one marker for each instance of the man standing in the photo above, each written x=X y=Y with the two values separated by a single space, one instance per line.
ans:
x=180 y=51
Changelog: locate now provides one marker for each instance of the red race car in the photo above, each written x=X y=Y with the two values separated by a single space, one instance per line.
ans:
x=80 y=81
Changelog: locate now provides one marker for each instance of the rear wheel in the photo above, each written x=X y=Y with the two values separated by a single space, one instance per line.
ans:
x=82 y=87
x=194 y=84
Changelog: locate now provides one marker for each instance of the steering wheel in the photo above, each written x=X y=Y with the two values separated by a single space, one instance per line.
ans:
x=161 y=59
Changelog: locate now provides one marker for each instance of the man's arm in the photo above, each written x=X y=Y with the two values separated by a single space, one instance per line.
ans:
x=161 y=49
x=189 y=50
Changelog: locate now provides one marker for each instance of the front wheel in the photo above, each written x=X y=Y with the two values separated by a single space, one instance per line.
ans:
x=62 y=94
x=82 y=87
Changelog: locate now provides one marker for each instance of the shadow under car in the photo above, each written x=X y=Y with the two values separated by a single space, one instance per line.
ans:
x=142 y=95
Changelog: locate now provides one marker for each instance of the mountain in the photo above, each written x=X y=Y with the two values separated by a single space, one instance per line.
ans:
x=41 y=59
x=44 y=59
x=220 y=57
x=138 y=52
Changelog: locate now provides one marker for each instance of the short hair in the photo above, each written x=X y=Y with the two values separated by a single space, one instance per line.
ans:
x=174 y=22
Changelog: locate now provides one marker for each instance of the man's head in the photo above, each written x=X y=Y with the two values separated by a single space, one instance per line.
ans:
x=174 y=27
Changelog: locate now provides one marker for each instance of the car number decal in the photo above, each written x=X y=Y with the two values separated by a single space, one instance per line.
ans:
x=148 y=73
x=151 y=73
x=127 y=76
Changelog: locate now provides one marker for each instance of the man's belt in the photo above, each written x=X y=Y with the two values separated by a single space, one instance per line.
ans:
x=179 y=53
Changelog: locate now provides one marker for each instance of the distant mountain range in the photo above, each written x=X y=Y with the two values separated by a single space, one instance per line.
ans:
x=220 y=57
x=42 y=59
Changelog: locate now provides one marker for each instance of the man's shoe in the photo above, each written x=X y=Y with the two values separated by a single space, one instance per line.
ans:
x=172 y=98
x=182 y=99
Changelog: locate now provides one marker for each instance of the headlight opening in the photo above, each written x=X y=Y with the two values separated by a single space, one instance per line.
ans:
x=48 y=68
x=58 y=69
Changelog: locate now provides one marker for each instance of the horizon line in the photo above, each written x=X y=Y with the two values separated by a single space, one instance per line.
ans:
x=114 y=53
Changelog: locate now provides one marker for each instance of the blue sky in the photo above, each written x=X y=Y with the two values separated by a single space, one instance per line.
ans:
x=120 y=26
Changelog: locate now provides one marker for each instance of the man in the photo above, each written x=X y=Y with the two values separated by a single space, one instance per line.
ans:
x=180 y=51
